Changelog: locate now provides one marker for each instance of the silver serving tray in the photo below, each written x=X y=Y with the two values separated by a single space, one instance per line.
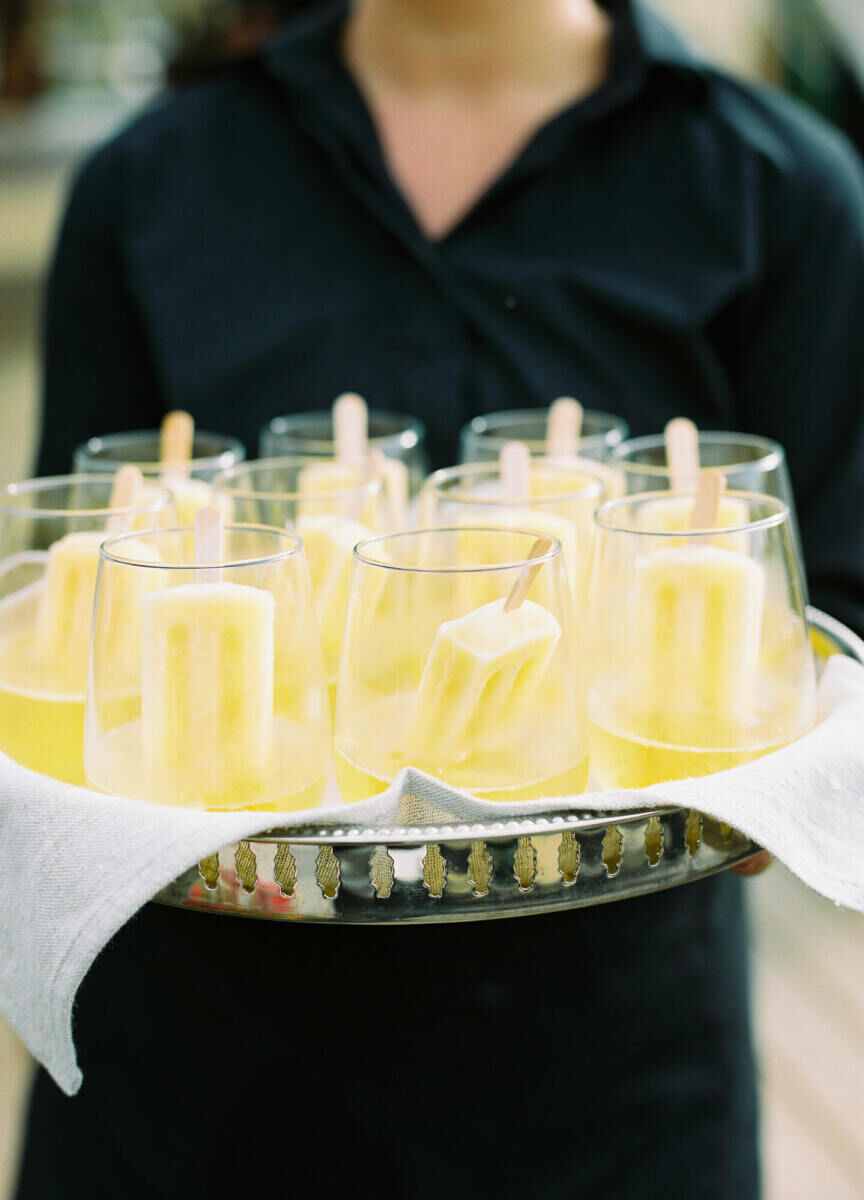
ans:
x=469 y=872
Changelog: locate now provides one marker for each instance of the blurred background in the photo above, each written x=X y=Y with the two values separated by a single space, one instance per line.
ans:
x=72 y=72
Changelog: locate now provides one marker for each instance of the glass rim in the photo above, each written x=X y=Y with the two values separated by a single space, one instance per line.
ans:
x=780 y=517
x=498 y=531
x=411 y=431
x=107 y=553
x=365 y=490
x=771 y=457
x=445 y=474
x=200 y=463
x=46 y=482
x=617 y=426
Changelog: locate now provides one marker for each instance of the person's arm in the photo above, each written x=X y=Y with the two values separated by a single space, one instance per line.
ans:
x=99 y=375
x=801 y=368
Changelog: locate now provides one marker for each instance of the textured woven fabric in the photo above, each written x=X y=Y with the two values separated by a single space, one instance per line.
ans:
x=75 y=865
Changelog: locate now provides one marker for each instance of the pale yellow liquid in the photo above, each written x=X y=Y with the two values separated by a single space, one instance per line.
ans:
x=618 y=761
x=41 y=712
x=357 y=783
x=296 y=777
x=43 y=732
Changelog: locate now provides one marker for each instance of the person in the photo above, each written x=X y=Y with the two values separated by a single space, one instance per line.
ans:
x=451 y=207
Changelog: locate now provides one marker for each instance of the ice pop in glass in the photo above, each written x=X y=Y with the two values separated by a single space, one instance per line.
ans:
x=176 y=456
x=524 y=494
x=700 y=654
x=485 y=697
x=338 y=438
x=331 y=523
x=50 y=533
x=672 y=460
x=563 y=430
x=231 y=704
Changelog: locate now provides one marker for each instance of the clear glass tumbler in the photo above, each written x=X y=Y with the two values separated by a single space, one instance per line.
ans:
x=50 y=533
x=749 y=463
x=700 y=657
x=562 y=501
x=211 y=453
x=288 y=493
x=483 y=438
x=440 y=672
x=207 y=684
x=189 y=482
x=399 y=437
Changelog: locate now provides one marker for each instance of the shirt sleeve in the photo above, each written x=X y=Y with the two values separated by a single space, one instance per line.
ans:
x=98 y=371
x=801 y=369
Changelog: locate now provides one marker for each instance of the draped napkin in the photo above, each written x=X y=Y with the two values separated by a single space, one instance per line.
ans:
x=76 y=865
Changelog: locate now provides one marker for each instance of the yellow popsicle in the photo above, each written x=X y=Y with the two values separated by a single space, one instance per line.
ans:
x=698 y=624
x=66 y=608
x=480 y=681
x=207 y=687
x=673 y=514
x=191 y=495
x=329 y=542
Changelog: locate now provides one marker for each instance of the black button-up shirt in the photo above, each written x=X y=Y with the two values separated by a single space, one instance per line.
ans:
x=675 y=243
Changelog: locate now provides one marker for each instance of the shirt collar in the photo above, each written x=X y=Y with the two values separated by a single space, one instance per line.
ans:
x=307 y=52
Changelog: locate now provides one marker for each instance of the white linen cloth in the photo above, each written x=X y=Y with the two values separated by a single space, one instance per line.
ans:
x=76 y=865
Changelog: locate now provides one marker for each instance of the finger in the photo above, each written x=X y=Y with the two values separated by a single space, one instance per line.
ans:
x=754 y=866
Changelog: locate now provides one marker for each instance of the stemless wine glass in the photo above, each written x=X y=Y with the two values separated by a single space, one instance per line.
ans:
x=483 y=438
x=288 y=493
x=438 y=672
x=562 y=501
x=700 y=654
x=211 y=453
x=50 y=531
x=749 y=463
x=189 y=482
x=397 y=436
x=207 y=680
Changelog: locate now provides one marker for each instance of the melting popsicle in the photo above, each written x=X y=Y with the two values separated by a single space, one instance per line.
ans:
x=329 y=542
x=699 y=613
x=482 y=674
x=480 y=679
x=190 y=495
x=207 y=680
x=354 y=462
x=563 y=436
x=65 y=614
x=673 y=513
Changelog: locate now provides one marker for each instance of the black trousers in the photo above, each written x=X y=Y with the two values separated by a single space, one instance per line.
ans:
x=597 y=1052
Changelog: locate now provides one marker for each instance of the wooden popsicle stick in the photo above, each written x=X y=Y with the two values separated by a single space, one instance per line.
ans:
x=709 y=492
x=125 y=491
x=351 y=428
x=526 y=576
x=514 y=466
x=563 y=427
x=208 y=543
x=682 y=454
x=175 y=444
